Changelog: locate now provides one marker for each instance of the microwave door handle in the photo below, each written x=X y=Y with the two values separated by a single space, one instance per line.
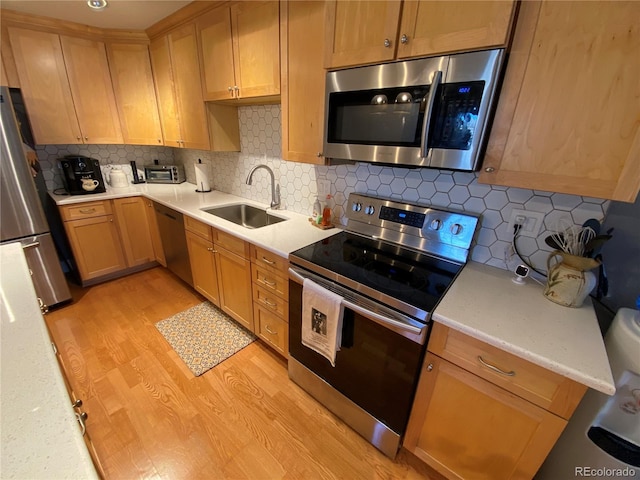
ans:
x=431 y=98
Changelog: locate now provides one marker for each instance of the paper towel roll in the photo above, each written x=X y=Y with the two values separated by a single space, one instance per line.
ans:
x=202 y=178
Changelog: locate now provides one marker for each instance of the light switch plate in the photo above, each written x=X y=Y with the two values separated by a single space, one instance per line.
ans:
x=324 y=188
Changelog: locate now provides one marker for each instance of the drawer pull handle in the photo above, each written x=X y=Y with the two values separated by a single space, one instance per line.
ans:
x=495 y=369
x=271 y=284
x=87 y=210
x=266 y=327
x=272 y=305
x=266 y=260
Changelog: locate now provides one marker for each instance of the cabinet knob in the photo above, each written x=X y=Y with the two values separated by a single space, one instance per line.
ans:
x=230 y=89
x=159 y=140
x=319 y=154
x=77 y=404
x=429 y=367
x=86 y=138
x=489 y=169
x=387 y=42
x=404 y=39
x=78 y=137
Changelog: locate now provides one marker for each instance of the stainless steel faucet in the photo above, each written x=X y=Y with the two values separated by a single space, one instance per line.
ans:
x=275 y=189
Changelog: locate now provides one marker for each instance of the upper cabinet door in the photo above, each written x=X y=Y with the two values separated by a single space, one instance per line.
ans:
x=567 y=120
x=135 y=97
x=256 y=47
x=45 y=87
x=92 y=90
x=216 y=55
x=188 y=88
x=435 y=27
x=361 y=32
x=303 y=81
x=163 y=77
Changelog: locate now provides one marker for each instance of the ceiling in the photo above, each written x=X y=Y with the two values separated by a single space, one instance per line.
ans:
x=122 y=14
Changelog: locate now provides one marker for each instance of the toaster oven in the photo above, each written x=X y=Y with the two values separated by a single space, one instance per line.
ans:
x=164 y=173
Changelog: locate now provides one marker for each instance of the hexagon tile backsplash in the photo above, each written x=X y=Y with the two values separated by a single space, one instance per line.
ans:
x=260 y=143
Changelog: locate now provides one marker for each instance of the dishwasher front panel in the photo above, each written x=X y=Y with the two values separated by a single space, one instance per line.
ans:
x=174 y=241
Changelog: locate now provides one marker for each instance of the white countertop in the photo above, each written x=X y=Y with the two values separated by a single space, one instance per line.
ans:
x=281 y=238
x=484 y=303
x=41 y=437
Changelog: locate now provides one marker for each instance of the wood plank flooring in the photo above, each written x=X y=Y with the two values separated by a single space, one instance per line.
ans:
x=149 y=417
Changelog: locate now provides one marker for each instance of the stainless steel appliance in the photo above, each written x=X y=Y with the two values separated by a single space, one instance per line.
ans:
x=391 y=266
x=430 y=112
x=164 y=173
x=174 y=241
x=81 y=175
x=22 y=216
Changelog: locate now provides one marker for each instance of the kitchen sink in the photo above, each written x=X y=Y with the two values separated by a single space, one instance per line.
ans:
x=245 y=215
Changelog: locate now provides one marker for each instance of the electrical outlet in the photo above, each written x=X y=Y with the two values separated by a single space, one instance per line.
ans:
x=324 y=188
x=531 y=222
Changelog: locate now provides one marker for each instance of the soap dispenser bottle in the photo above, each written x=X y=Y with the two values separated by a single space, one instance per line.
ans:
x=317 y=211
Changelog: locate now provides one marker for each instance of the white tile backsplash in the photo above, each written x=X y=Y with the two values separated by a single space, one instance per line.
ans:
x=260 y=140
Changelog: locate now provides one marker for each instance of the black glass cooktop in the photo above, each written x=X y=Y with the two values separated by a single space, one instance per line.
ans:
x=414 y=278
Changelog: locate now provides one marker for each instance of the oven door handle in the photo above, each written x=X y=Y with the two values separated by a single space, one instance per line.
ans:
x=404 y=328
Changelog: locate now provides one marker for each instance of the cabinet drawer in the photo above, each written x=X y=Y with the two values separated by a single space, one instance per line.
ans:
x=540 y=386
x=86 y=210
x=271 y=302
x=269 y=260
x=272 y=330
x=231 y=243
x=201 y=229
x=270 y=281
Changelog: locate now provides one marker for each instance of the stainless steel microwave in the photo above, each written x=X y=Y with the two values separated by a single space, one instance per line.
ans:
x=164 y=173
x=430 y=112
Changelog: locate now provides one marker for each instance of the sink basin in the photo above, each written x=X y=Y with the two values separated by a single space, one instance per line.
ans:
x=245 y=215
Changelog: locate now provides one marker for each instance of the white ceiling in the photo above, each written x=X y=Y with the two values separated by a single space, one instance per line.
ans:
x=123 y=14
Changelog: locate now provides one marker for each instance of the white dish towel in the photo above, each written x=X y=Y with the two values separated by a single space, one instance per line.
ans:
x=322 y=313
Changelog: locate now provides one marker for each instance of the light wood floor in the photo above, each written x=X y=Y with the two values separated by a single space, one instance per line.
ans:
x=149 y=417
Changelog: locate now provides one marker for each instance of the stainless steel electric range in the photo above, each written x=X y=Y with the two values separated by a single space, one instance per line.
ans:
x=391 y=265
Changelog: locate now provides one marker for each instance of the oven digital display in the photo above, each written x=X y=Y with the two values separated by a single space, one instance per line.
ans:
x=413 y=219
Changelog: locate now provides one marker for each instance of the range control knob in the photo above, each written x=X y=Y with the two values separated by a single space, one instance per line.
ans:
x=456 y=228
x=356 y=207
x=436 y=224
x=370 y=210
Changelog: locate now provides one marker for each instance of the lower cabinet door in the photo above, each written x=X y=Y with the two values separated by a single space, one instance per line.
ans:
x=131 y=215
x=203 y=266
x=234 y=280
x=96 y=246
x=466 y=427
x=272 y=329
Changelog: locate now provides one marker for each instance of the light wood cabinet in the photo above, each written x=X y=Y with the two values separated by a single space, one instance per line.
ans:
x=96 y=246
x=392 y=29
x=91 y=90
x=45 y=86
x=175 y=69
x=567 y=119
x=131 y=217
x=271 y=298
x=234 y=278
x=64 y=107
x=240 y=51
x=471 y=421
x=203 y=266
x=303 y=80
x=108 y=238
x=154 y=231
x=221 y=270
x=130 y=68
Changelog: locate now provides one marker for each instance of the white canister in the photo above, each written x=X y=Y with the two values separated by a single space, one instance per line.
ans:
x=117 y=178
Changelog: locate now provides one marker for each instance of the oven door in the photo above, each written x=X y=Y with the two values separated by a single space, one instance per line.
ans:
x=379 y=360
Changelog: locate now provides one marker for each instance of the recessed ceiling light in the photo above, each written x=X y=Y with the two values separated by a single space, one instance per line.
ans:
x=97 y=4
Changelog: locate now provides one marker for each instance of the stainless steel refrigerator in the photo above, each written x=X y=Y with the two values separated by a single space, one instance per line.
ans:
x=22 y=218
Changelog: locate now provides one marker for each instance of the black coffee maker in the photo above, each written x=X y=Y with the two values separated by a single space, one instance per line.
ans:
x=81 y=175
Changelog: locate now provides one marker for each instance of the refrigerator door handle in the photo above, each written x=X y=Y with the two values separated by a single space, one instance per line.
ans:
x=31 y=245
